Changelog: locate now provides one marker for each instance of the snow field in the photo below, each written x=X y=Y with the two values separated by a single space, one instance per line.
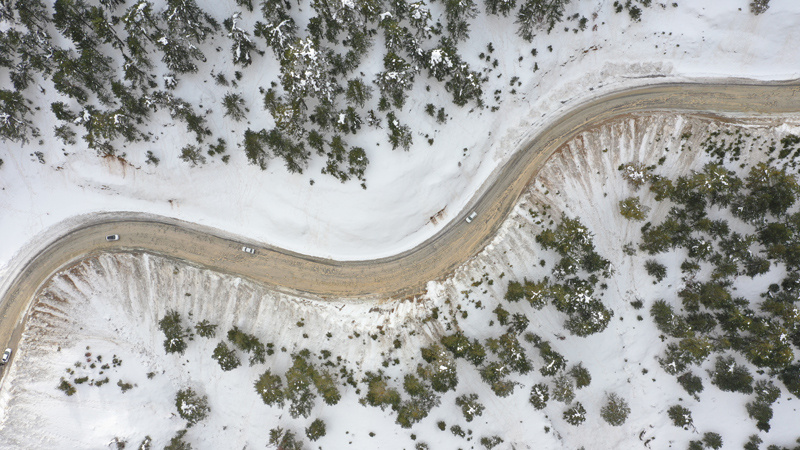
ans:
x=113 y=303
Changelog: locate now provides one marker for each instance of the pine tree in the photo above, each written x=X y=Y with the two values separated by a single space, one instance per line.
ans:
x=254 y=143
x=226 y=357
x=171 y=325
x=540 y=394
x=399 y=134
x=234 y=106
x=470 y=406
x=299 y=379
x=316 y=430
x=498 y=7
x=242 y=46
x=615 y=411
x=14 y=125
x=631 y=209
x=191 y=406
x=284 y=439
x=379 y=393
x=575 y=415
x=731 y=377
x=270 y=388
x=681 y=417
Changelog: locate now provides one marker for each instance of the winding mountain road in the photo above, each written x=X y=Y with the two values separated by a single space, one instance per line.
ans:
x=401 y=275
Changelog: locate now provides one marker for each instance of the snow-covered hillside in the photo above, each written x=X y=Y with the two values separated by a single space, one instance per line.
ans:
x=112 y=304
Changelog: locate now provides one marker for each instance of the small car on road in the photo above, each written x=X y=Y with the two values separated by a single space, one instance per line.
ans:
x=112 y=237
x=473 y=215
x=249 y=250
x=6 y=356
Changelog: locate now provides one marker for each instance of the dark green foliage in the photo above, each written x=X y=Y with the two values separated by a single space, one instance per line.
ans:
x=575 y=415
x=470 y=406
x=540 y=394
x=581 y=375
x=192 y=154
x=515 y=291
x=234 y=106
x=573 y=242
x=206 y=329
x=316 y=430
x=691 y=383
x=399 y=134
x=761 y=409
x=498 y=7
x=667 y=321
x=494 y=374
x=563 y=389
x=752 y=442
x=171 y=325
x=519 y=323
x=761 y=413
x=270 y=388
x=177 y=442
x=510 y=352
x=759 y=7
x=418 y=407
x=502 y=315
x=790 y=376
x=554 y=362
x=284 y=439
x=535 y=14
x=712 y=440
x=655 y=269
x=631 y=209
x=66 y=387
x=681 y=417
x=695 y=445
x=771 y=191
x=191 y=406
x=615 y=411
x=254 y=143
x=299 y=379
x=326 y=387
x=15 y=126
x=226 y=357
x=379 y=393
x=460 y=346
x=731 y=377
x=440 y=371
x=491 y=442
x=248 y=343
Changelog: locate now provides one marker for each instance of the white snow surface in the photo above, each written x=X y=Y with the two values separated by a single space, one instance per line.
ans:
x=696 y=40
x=112 y=303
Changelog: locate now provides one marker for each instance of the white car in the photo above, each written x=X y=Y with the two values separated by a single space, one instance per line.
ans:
x=471 y=216
x=6 y=356
x=112 y=237
x=249 y=250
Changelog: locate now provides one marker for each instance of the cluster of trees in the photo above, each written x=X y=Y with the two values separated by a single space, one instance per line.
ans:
x=115 y=63
x=301 y=377
x=708 y=317
x=578 y=271
x=436 y=376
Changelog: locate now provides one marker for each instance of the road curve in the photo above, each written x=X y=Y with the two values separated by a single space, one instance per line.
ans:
x=401 y=275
